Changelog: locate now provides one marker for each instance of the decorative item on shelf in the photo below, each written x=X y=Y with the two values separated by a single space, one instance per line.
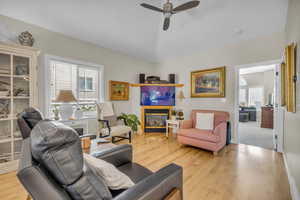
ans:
x=171 y=78
x=88 y=110
x=5 y=70
x=142 y=78
x=66 y=97
x=4 y=93
x=181 y=96
x=17 y=134
x=173 y=114
x=26 y=39
x=130 y=120
x=4 y=85
x=180 y=115
x=153 y=78
x=4 y=109
x=290 y=77
x=22 y=69
x=119 y=91
x=208 y=83
x=20 y=92
x=78 y=113
x=56 y=112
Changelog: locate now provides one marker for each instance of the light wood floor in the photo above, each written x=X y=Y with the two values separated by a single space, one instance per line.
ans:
x=239 y=172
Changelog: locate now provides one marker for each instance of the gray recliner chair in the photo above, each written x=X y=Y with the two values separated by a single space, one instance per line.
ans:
x=52 y=168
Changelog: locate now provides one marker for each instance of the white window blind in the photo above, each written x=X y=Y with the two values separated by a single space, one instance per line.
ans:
x=256 y=96
x=85 y=81
x=243 y=96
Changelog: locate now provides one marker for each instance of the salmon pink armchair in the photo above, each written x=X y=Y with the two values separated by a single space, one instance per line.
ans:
x=213 y=140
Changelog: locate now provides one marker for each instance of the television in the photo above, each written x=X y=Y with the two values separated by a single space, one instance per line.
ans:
x=157 y=96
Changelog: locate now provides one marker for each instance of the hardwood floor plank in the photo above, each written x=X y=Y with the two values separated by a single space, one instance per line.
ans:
x=238 y=172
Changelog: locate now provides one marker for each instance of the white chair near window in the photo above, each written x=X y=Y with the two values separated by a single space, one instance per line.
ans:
x=109 y=125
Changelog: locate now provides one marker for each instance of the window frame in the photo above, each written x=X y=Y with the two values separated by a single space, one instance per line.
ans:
x=80 y=64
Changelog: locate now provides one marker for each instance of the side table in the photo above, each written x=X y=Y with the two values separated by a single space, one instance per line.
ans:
x=171 y=124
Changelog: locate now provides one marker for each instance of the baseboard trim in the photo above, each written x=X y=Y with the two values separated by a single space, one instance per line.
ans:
x=234 y=141
x=293 y=188
x=9 y=166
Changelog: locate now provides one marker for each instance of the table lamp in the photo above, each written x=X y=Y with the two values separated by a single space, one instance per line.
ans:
x=66 y=97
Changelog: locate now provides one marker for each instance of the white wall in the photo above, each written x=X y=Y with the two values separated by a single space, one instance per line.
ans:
x=292 y=125
x=117 y=66
x=247 y=52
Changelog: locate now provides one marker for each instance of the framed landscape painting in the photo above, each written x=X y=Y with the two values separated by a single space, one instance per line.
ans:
x=208 y=83
x=118 y=91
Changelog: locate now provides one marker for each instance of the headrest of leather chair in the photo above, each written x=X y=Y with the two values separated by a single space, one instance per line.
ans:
x=58 y=148
x=27 y=120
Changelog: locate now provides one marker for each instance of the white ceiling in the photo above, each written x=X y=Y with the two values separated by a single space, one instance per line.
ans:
x=124 y=26
x=257 y=69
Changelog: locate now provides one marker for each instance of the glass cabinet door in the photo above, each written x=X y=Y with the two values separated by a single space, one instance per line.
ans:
x=21 y=84
x=5 y=108
x=5 y=64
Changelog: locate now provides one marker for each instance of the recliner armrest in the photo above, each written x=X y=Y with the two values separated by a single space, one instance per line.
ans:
x=118 y=155
x=156 y=186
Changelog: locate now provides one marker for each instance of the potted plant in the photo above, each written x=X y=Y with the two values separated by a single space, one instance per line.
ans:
x=88 y=110
x=56 y=111
x=130 y=120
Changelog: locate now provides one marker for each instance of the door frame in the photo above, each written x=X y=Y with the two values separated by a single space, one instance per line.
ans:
x=279 y=117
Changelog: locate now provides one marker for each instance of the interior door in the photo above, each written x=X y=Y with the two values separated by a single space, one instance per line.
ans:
x=278 y=112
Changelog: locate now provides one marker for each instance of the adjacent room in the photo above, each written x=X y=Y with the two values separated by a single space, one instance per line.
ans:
x=256 y=103
x=149 y=100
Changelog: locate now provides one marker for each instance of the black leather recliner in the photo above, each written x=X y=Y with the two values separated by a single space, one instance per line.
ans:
x=52 y=168
x=31 y=116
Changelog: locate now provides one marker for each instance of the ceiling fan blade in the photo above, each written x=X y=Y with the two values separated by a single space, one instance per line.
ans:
x=186 y=6
x=145 y=5
x=166 y=23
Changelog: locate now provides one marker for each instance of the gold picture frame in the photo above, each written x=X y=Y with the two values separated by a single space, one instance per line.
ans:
x=283 y=83
x=290 y=74
x=118 y=91
x=208 y=83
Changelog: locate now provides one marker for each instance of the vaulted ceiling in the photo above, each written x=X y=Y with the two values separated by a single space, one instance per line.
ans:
x=124 y=26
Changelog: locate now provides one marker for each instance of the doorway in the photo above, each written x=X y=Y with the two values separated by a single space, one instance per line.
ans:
x=257 y=107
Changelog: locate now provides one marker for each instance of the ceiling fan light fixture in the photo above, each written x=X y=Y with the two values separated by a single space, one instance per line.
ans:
x=168 y=10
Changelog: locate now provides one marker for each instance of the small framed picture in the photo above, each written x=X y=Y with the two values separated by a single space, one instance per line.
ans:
x=209 y=83
x=118 y=91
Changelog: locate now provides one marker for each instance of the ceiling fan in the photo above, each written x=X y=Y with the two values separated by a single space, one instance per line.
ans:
x=168 y=10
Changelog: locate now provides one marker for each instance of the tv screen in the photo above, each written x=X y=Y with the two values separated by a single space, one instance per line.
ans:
x=157 y=96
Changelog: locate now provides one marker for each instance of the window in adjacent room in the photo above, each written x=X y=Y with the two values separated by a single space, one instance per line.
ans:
x=256 y=96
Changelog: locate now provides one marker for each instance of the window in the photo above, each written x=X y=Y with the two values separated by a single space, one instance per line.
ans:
x=83 y=79
x=256 y=96
x=243 y=96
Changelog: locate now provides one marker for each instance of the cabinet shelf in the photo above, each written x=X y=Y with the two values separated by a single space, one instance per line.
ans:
x=9 y=139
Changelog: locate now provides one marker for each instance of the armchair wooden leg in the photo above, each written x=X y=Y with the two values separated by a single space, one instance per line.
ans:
x=28 y=197
x=215 y=153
